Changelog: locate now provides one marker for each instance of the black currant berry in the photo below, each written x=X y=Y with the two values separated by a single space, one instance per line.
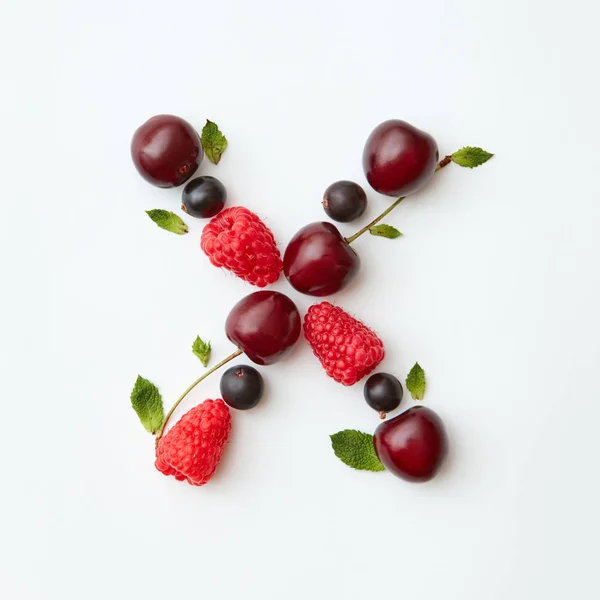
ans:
x=344 y=201
x=242 y=387
x=383 y=392
x=203 y=197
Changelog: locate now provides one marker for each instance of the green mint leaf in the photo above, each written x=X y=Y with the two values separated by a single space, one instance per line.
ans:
x=415 y=382
x=356 y=449
x=147 y=403
x=470 y=157
x=213 y=142
x=201 y=350
x=386 y=231
x=167 y=220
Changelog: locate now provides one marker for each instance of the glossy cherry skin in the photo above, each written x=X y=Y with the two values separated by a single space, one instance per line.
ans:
x=318 y=261
x=264 y=325
x=412 y=445
x=166 y=150
x=399 y=158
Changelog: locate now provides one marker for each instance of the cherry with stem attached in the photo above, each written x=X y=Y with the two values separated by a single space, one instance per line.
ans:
x=191 y=387
x=445 y=161
x=319 y=261
x=263 y=325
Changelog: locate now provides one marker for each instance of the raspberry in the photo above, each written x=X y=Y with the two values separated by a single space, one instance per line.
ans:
x=239 y=241
x=192 y=449
x=347 y=349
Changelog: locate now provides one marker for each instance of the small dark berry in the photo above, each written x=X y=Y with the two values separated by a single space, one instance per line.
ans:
x=242 y=387
x=383 y=392
x=344 y=201
x=203 y=197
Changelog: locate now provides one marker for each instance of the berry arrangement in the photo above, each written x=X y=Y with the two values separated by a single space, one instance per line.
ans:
x=398 y=159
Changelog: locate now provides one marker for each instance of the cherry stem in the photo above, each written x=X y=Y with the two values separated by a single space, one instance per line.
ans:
x=445 y=161
x=366 y=228
x=190 y=388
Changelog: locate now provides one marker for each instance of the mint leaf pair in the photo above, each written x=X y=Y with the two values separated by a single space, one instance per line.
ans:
x=146 y=399
x=355 y=448
x=214 y=144
x=469 y=156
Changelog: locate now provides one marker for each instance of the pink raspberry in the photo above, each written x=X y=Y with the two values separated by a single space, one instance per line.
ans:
x=192 y=449
x=347 y=349
x=239 y=241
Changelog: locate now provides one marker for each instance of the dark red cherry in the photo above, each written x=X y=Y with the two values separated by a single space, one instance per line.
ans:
x=412 y=445
x=166 y=150
x=399 y=158
x=318 y=261
x=264 y=325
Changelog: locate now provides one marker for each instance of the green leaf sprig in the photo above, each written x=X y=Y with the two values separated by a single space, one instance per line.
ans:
x=415 y=382
x=168 y=220
x=356 y=449
x=147 y=403
x=386 y=231
x=202 y=350
x=470 y=157
x=213 y=141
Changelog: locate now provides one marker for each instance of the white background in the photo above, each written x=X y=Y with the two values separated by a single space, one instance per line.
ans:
x=494 y=289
